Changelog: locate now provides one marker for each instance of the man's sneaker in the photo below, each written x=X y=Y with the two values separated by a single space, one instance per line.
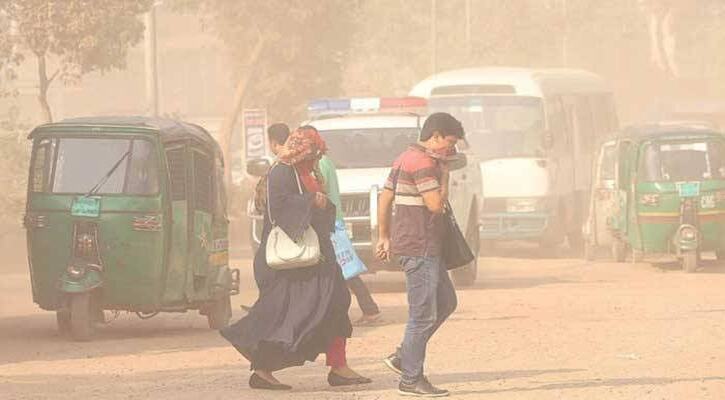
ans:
x=393 y=362
x=422 y=388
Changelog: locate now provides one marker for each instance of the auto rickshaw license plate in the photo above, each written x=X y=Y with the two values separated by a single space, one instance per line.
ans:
x=688 y=189
x=86 y=207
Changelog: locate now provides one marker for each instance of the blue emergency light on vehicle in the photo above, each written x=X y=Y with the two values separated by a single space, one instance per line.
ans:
x=360 y=105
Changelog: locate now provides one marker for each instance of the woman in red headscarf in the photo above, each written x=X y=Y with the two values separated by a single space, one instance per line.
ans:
x=303 y=312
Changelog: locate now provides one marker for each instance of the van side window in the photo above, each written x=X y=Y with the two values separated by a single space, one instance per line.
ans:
x=584 y=124
x=203 y=182
x=557 y=121
x=177 y=172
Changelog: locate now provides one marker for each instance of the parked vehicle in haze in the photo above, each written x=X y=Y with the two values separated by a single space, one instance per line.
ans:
x=535 y=133
x=665 y=194
x=364 y=136
x=127 y=214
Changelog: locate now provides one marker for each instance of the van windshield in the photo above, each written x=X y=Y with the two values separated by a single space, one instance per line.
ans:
x=497 y=126
x=83 y=163
x=367 y=147
x=678 y=161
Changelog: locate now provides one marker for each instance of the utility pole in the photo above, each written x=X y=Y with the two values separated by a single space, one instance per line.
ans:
x=468 y=29
x=565 y=34
x=152 y=81
x=434 y=36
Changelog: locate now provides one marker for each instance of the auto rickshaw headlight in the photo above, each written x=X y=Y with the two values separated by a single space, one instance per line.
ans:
x=650 y=199
x=688 y=234
x=76 y=271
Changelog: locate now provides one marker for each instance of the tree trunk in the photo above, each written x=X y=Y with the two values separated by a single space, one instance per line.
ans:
x=227 y=128
x=43 y=84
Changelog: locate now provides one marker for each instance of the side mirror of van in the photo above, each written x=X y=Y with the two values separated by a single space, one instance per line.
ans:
x=457 y=161
x=258 y=166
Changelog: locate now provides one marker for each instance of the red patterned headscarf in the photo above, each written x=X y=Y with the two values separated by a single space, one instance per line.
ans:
x=303 y=150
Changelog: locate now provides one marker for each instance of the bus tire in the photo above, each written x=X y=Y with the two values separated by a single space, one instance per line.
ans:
x=81 y=317
x=689 y=261
x=220 y=313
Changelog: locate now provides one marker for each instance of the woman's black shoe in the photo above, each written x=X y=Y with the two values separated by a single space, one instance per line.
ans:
x=338 y=380
x=257 y=382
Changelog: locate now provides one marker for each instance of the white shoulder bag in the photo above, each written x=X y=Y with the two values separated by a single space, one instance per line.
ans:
x=283 y=252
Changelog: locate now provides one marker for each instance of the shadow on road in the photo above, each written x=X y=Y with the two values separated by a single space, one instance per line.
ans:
x=597 y=383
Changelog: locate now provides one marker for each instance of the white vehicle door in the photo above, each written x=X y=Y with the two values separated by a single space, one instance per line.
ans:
x=604 y=194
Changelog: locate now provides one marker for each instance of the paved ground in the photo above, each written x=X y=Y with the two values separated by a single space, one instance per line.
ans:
x=531 y=329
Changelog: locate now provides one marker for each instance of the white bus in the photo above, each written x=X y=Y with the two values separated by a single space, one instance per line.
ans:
x=534 y=132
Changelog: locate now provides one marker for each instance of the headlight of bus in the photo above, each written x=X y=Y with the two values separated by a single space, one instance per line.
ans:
x=523 y=205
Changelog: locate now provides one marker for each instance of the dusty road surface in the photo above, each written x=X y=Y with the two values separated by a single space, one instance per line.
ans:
x=531 y=329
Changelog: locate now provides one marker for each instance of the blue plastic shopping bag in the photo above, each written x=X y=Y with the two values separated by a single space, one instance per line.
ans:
x=349 y=261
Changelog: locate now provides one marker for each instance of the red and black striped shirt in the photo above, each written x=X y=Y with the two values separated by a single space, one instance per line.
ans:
x=415 y=230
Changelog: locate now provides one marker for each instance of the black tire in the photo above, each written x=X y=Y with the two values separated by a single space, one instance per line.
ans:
x=466 y=276
x=62 y=317
x=576 y=242
x=220 y=313
x=689 y=261
x=619 y=251
x=81 y=317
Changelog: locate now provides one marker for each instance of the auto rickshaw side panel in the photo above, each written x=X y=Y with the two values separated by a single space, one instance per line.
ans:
x=130 y=246
x=658 y=215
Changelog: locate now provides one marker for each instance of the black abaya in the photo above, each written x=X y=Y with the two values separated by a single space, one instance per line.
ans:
x=298 y=311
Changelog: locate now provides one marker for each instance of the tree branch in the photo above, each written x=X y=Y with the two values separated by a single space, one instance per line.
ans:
x=53 y=76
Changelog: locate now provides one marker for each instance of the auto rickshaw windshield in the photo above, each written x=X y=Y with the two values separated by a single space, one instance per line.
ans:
x=683 y=161
x=101 y=165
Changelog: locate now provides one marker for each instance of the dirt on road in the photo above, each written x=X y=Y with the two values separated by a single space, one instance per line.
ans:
x=530 y=329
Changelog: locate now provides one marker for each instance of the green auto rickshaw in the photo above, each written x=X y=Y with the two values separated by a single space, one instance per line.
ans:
x=667 y=193
x=127 y=214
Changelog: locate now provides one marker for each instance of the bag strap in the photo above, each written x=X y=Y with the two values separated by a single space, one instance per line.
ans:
x=269 y=202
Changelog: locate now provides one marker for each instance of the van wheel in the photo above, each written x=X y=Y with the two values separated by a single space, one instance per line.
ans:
x=619 y=251
x=62 y=317
x=220 y=313
x=81 y=317
x=689 y=261
x=466 y=276
x=576 y=242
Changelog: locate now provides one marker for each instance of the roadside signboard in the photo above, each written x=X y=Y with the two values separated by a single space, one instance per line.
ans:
x=254 y=124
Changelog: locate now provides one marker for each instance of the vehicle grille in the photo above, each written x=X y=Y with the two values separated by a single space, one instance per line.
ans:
x=355 y=205
x=494 y=205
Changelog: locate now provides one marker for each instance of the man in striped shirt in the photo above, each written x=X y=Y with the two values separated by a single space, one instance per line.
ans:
x=418 y=185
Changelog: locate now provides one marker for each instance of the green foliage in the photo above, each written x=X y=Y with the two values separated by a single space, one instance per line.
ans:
x=82 y=35
x=14 y=158
x=74 y=36
x=305 y=47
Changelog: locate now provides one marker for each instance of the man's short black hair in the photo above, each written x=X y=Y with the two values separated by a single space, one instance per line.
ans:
x=443 y=123
x=278 y=132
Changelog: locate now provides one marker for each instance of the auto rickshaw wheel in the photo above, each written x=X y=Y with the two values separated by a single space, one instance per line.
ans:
x=81 y=317
x=219 y=313
x=689 y=261
x=62 y=317
x=619 y=251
